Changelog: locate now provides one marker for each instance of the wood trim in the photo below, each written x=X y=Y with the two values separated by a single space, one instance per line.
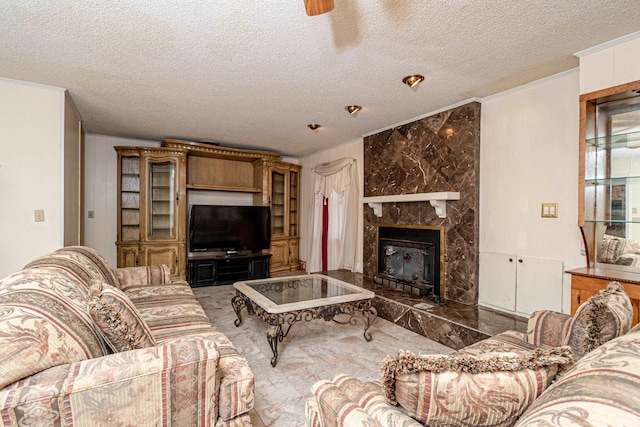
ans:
x=610 y=91
x=217 y=151
x=581 y=162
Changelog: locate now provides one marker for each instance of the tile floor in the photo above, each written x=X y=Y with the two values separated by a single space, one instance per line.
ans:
x=312 y=351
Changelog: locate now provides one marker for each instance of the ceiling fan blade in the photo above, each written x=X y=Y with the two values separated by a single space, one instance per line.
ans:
x=318 y=7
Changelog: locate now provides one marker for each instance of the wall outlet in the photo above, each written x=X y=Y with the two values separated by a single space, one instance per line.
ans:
x=90 y=214
x=549 y=210
x=39 y=215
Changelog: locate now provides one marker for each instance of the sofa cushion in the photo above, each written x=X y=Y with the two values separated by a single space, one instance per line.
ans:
x=503 y=342
x=169 y=319
x=82 y=271
x=142 y=276
x=604 y=316
x=81 y=261
x=44 y=322
x=600 y=390
x=492 y=389
x=150 y=294
x=119 y=321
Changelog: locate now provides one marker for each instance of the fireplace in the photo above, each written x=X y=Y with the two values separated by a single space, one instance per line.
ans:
x=411 y=259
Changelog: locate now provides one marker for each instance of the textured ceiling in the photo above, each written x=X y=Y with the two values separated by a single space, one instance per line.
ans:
x=255 y=73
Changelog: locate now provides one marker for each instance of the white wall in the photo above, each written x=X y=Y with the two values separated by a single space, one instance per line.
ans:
x=100 y=191
x=610 y=64
x=349 y=149
x=31 y=129
x=529 y=155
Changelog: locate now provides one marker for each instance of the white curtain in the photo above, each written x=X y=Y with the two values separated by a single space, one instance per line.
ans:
x=336 y=181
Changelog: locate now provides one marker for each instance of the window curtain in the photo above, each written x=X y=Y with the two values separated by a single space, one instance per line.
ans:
x=335 y=183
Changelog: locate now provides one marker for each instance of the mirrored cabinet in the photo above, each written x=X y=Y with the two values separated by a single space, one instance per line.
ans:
x=609 y=193
x=611 y=198
x=152 y=208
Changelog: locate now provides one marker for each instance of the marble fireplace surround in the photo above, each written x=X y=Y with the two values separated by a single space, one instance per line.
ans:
x=436 y=154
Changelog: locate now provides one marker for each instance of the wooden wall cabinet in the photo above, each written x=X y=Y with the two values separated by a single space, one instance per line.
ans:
x=152 y=208
x=280 y=184
x=153 y=185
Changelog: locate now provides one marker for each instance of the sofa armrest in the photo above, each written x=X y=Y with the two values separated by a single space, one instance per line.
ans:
x=171 y=384
x=335 y=409
x=347 y=401
x=548 y=328
x=141 y=276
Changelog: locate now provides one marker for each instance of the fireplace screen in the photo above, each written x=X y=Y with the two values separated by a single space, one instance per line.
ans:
x=408 y=264
x=409 y=259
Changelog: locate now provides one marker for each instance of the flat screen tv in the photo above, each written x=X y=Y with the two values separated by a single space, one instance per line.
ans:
x=230 y=229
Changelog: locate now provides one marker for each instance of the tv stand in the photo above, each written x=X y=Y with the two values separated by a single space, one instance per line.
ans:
x=225 y=269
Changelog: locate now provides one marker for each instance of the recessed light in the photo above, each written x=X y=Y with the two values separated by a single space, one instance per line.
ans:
x=413 y=80
x=353 y=109
x=314 y=126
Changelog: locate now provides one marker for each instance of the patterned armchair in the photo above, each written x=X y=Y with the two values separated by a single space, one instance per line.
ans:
x=82 y=344
x=505 y=380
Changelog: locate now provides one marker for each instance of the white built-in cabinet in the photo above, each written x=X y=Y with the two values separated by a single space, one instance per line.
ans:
x=520 y=284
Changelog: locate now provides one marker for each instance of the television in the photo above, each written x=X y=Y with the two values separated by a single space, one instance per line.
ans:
x=230 y=229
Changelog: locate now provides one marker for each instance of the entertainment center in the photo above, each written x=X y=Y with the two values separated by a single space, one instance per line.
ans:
x=153 y=191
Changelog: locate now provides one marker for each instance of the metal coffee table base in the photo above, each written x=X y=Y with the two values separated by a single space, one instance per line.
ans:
x=280 y=323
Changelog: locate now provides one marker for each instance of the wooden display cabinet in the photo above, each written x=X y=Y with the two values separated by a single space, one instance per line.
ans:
x=152 y=208
x=280 y=183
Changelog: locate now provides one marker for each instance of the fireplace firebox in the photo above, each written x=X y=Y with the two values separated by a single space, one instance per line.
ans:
x=411 y=259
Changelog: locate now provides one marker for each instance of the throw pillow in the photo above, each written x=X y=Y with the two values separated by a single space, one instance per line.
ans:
x=604 y=316
x=492 y=389
x=117 y=318
x=610 y=248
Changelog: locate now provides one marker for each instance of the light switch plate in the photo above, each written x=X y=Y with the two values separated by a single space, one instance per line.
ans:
x=38 y=215
x=549 y=210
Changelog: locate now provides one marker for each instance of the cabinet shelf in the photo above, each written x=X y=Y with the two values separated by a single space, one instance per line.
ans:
x=622 y=140
x=624 y=180
x=612 y=221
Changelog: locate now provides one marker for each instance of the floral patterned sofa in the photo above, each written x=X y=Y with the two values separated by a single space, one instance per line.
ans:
x=84 y=344
x=581 y=370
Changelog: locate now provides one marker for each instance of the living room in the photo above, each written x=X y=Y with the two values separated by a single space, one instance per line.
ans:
x=528 y=154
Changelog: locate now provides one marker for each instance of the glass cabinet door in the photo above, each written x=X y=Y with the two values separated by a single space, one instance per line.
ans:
x=163 y=189
x=130 y=198
x=293 y=203
x=277 y=202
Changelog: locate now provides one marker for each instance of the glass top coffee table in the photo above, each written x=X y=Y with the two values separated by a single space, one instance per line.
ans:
x=283 y=301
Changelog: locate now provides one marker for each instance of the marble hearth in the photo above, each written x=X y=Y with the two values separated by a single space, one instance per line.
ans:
x=455 y=325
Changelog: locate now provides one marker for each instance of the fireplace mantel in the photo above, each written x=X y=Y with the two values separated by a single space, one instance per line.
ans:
x=438 y=200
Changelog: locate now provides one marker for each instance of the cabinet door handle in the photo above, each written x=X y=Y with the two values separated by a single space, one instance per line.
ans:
x=578 y=299
x=177 y=198
x=520 y=260
x=510 y=259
